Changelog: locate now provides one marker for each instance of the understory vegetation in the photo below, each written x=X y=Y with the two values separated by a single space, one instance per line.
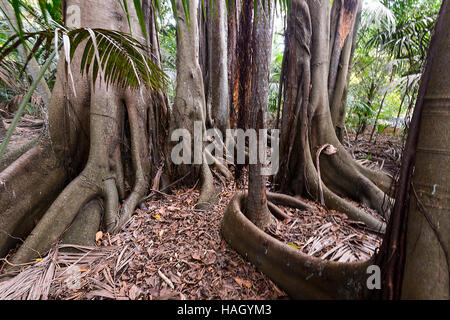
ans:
x=348 y=97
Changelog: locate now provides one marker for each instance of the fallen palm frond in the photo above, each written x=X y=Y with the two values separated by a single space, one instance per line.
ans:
x=58 y=269
x=328 y=235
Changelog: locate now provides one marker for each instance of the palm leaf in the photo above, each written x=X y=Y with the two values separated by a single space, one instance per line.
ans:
x=114 y=56
x=122 y=59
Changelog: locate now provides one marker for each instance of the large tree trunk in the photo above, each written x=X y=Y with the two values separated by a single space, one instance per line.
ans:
x=213 y=45
x=345 y=18
x=313 y=76
x=189 y=107
x=415 y=253
x=85 y=151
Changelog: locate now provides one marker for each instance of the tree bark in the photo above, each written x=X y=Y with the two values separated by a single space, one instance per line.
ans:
x=427 y=261
x=189 y=104
x=84 y=156
x=257 y=210
x=231 y=55
x=213 y=59
x=345 y=18
x=243 y=80
x=414 y=255
x=218 y=62
x=306 y=119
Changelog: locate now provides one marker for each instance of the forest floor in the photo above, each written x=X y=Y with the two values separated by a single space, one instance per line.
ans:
x=169 y=250
x=27 y=129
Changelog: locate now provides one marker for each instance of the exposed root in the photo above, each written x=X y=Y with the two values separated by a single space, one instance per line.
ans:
x=83 y=229
x=277 y=212
x=286 y=200
x=302 y=276
x=379 y=178
x=139 y=154
x=333 y=201
x=13 y=155
x=342 y=177
x=117 y=168
x=98 y=179
x=218 y=165
x=111 y=196
x=208 y=192
x=35 y=179
x=57 y=218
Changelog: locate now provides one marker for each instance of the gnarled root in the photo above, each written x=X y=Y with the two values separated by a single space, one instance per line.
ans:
x=302 y=276
x=139 y=153
x=286 y=200
x=86 y=224
x=277 y=212
x=208 y=191
x=15 y=154
x=99 y=187
x=382 y=180
x=27 y=186
x=218 y=165
x=57 y=218
x=333 y=201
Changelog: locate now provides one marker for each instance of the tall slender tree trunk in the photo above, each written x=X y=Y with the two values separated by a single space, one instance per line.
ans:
x=232 y=40
x=214 y=63
x=380 y=108
x=189 y=104
x=243 y=80
x=257 y=210
x=219 y=66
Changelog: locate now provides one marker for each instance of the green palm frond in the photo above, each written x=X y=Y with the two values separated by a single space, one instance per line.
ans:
x=123 y=60
x=377 y=14
x=115 y=57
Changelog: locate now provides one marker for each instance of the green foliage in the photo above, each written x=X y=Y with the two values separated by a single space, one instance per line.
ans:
x=381 y=128
x=275 y=72
x=389 y=58
x=115 y=57
x=168 y=45
x=123 y=59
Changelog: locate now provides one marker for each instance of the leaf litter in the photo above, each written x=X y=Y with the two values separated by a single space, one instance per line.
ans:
x=168 y=250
